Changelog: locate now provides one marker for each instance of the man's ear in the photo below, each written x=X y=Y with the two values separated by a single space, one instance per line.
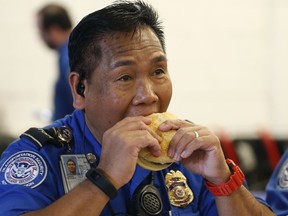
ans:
x=78 y=90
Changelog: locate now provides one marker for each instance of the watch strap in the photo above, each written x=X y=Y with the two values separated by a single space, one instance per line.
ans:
x=97 y=177
x=234 y=182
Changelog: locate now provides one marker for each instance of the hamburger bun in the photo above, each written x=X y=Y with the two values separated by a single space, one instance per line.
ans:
x=145 y=158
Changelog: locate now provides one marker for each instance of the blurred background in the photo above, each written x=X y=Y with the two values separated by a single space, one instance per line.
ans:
x=228 y=61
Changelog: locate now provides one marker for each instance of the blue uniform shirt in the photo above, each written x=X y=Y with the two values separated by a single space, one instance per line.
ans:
x=277 y=187
x=30 y=177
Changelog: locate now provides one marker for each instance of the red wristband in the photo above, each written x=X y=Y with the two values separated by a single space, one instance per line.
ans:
x=234 y=182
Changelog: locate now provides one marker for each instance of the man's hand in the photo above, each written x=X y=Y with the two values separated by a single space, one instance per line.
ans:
x=121 y=145
x=202 y=155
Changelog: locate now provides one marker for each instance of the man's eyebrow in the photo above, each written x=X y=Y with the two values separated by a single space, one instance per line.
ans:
x=131 y=62
x=158 y=59
x=122 y=63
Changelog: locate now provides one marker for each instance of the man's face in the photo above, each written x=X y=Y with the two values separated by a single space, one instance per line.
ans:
x=132 y=79
x=71 y=167
x=46 y=35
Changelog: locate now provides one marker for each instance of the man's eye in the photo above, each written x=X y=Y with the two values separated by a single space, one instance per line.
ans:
x=125 y=78
x=159 y=72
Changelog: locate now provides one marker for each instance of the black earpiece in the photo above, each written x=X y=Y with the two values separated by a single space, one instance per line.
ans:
x=80 y=89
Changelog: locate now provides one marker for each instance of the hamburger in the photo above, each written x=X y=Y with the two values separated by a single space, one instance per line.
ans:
x=145 y=158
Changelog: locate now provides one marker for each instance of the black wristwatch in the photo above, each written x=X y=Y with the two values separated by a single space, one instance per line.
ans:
x=97 y=177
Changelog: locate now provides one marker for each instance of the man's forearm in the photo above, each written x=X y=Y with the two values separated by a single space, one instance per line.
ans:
x=85 y=199
x=241 y=202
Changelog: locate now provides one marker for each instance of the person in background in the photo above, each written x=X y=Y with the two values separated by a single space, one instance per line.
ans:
x=119 y=76
x=277 y=187
x=54 y=26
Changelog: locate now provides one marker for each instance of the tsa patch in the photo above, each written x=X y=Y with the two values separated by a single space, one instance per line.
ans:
x=283 y=176
x=25 y=168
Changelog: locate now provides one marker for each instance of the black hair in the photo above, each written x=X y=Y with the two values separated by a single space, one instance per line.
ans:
x=70 y=159
x=53 y=14
x=122 y=16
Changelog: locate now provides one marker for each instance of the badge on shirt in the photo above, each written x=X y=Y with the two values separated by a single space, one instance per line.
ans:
x=179 y=193
x=283 y=176
x=25 y=168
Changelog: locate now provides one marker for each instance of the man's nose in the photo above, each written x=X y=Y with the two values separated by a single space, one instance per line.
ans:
x=145 y=93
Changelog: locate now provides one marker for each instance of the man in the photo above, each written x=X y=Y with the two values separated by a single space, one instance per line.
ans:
x=277 y=187
x=71 y=165
x=54 y=25
x=118 y=76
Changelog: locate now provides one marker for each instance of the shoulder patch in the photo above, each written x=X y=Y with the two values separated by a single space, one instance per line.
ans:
x=25 y=168
x=59 y=137
x=282 y=180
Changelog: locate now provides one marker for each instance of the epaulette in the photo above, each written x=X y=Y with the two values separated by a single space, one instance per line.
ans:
x=59 y=137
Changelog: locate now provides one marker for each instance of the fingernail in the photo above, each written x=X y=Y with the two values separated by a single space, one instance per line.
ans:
x=184 y=154
x=176 y=157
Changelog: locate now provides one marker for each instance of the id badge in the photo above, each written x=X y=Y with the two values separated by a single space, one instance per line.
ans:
x=73 y=170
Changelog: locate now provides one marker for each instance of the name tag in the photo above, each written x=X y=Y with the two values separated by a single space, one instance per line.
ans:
x=73 y=170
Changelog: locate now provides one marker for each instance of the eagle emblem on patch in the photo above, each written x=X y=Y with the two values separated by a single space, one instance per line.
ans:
x=283 y=176
x=179 y=193
x=25 y=168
